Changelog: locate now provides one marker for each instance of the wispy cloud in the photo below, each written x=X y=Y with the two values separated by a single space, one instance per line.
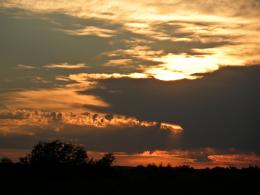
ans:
x=198 y=158
x=39 y=79
x=57 y=99
x=93 y=31
x=65 y=66
x=57 y=120
x=23 y=66
x=119 y=62
x=83 y=77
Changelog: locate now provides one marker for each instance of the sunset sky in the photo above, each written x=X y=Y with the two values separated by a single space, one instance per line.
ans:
x=172 y=81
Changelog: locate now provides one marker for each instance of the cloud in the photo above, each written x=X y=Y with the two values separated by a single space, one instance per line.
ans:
x=22 y=66
x=79 y=8
x=85 y=77
x=211 y=158
x=92 y=31
x=172 y=127
x=13 y=154
x=236 y=159
x=119 y=62
x=115 y=132
x=182 y=66
x=128 y=51
x=219 y=110
x=158 y=45
x=198 y=158
x=39 y=79
x=54 y=99
x=65 y=66
x=42 y=43
x=57 y=120
x=13 y=115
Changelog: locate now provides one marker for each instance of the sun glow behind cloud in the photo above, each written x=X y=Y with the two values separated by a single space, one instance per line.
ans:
x=175 y=67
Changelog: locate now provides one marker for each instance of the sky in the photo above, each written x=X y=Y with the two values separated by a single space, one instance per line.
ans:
x=170 y=82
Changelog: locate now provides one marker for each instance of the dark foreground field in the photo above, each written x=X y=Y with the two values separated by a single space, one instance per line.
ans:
x=64 y=168
x=21 y=179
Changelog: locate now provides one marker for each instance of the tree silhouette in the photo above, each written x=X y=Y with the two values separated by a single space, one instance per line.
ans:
x=100 y=178
x=107 y=160
x=6 y=161
x=56 y=153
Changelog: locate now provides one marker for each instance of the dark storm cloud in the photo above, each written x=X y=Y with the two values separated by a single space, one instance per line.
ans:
x=221 y=110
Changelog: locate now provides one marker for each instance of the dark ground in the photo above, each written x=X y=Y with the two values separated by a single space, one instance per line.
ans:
x=21 y=179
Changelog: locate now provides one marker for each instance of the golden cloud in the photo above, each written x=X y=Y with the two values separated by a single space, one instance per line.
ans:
x=11 y=120
x=198 y=158
x=93 y=31
x=65 y=66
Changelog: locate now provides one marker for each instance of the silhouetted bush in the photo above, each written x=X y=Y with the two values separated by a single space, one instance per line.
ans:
x=106 y=161
x=56 y=153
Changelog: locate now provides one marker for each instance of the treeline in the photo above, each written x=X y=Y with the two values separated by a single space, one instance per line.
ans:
x=57 y=153
x=58 y=168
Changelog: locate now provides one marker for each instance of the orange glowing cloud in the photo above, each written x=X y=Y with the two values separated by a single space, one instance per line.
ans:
x=92 y=30
x=236 y=159
x=165 y=158
x=171 y=127
x=197 y=158
x=83 y=77
x=118 y=62
x=58 y=99
x=57 y=120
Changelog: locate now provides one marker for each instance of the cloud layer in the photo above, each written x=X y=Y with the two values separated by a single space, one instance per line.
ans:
x=219 y=110
x=133 y=76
